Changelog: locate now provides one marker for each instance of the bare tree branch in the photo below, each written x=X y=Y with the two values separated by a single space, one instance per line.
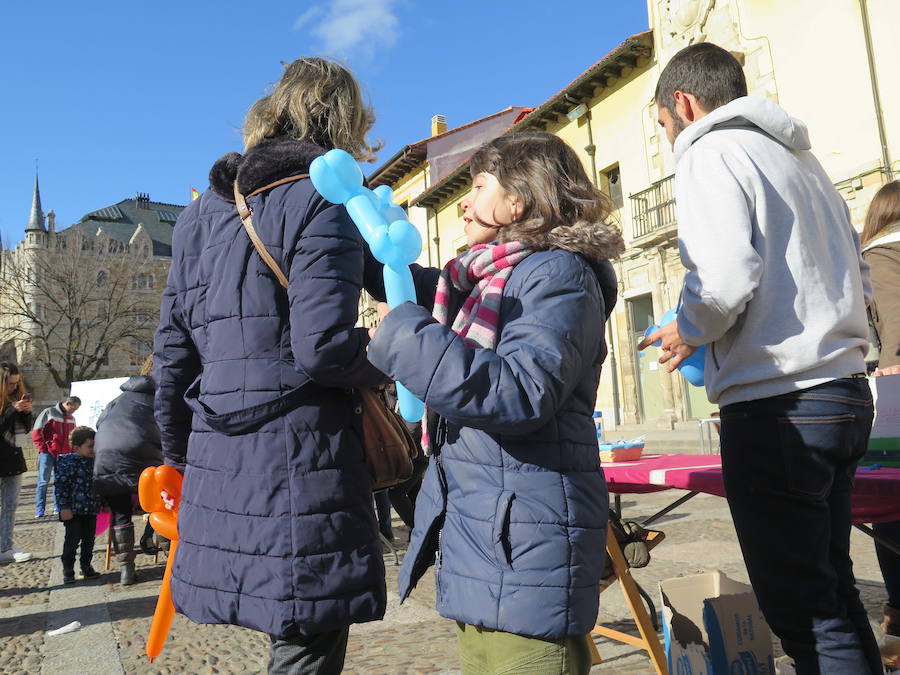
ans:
x=71 y=306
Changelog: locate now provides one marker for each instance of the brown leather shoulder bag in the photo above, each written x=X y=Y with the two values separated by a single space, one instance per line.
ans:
x=390 y=448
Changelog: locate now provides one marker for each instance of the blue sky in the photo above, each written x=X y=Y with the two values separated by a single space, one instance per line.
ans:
x=119 y=98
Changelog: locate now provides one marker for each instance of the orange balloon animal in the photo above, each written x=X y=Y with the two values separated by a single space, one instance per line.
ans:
x=153 y=481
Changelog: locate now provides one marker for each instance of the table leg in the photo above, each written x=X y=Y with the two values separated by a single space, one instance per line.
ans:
x=887 y=543
x=674 y=505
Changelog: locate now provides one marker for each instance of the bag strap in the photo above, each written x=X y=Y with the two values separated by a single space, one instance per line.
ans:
x=246 y=214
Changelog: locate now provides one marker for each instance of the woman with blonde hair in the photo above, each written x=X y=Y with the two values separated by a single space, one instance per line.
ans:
x=15 y=414
x=257 y=378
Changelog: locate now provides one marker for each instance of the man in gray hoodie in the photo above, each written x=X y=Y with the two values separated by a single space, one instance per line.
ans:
x=777 y=289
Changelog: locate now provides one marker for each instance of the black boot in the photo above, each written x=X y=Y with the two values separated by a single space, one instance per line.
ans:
x=148 y=547
x=68 y=575
x=125 y=554
x=89 y=572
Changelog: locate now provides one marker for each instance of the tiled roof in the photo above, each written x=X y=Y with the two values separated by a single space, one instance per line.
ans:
x=581 y=88
x=120 y=220
x=410 y=156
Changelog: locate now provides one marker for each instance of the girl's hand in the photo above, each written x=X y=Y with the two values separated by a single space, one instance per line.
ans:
x=383 y=310
x=22 y=406
x=890 y=370
x=167 y=500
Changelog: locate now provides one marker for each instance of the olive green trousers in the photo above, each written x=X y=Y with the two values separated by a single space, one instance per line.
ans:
x=483 y=651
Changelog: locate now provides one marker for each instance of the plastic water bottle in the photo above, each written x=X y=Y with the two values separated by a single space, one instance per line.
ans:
x=598 y=422
x=692 y=367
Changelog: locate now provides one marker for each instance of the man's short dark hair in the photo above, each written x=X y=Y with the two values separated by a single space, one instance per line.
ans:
x=81 y=434
x=73 y=400
x=708 y=72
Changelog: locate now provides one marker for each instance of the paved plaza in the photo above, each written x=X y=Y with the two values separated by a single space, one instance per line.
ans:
x=411 y=639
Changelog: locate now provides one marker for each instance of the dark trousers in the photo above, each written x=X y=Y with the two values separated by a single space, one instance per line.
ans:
x=79 y=531
x=889 y=561
x=789 y=463
x=403 y=496
x=321 y=654
x=383 y=513
x=122 y=509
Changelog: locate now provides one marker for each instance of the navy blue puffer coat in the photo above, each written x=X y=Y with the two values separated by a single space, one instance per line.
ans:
x=256 y=404
x=513 y=507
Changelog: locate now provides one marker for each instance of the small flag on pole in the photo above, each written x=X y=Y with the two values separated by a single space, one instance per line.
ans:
x=194 y=193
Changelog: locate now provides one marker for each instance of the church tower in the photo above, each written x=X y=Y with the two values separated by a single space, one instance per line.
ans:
x=36 y=232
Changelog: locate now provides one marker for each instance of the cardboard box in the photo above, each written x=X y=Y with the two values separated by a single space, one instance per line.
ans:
x=712 y=625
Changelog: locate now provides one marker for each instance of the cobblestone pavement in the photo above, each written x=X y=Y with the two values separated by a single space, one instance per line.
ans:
x=411 y=639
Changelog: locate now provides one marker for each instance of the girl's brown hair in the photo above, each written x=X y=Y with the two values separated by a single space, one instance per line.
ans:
x=7 y=369
x=883 y=212
x=561 y=208
x=317 y=100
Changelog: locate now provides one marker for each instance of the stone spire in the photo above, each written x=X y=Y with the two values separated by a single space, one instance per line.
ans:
x=36 y=219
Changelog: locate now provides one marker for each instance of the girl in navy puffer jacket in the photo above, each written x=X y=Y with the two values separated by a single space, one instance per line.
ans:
x=514 y=505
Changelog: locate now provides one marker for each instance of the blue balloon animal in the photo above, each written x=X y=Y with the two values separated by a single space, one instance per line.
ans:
x=692 y=366
x=394 y=241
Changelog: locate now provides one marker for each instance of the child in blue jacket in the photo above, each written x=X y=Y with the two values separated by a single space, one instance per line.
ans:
x=78 y=503
x=513 y=507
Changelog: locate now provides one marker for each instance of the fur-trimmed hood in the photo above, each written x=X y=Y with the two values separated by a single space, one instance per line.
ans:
x=596 y=242
x=270 y=160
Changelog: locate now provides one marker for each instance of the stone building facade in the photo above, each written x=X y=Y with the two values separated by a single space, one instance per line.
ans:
x=126 y=246
x=827 y=64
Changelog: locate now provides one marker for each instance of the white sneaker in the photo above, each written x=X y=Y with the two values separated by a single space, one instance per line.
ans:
x=14 y=555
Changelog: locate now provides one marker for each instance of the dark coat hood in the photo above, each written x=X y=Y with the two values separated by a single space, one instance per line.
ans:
x=270 y=160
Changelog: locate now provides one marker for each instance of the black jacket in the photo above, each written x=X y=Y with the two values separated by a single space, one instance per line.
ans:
x=127 y=439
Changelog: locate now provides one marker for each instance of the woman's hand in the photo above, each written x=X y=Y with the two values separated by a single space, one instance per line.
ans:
x=890 y=370
x=383 y=310
x=22 y=406
x=168 y=500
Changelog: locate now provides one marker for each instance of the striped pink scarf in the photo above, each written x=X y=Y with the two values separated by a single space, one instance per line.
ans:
x=482 y=272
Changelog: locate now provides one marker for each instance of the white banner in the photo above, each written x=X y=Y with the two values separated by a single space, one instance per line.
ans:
x=94 y=395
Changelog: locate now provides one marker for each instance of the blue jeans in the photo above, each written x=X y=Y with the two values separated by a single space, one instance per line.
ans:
x=789 y=463
x=9 y=498
x=46 y=465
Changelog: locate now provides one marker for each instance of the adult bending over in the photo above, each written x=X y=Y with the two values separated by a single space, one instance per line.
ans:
x=127 y=443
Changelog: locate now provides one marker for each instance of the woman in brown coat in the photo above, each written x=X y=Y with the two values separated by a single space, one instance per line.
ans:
x=881 y=249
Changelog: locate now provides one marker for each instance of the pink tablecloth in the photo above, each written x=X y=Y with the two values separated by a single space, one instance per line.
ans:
x=876 y=495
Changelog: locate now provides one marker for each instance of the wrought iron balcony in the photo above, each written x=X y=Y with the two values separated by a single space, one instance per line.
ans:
x=653 y=209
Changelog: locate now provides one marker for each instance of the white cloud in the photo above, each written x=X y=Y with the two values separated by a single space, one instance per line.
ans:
x=349 y=27
x=306 y=17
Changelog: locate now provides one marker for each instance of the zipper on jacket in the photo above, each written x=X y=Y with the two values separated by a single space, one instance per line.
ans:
x=440 y=435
